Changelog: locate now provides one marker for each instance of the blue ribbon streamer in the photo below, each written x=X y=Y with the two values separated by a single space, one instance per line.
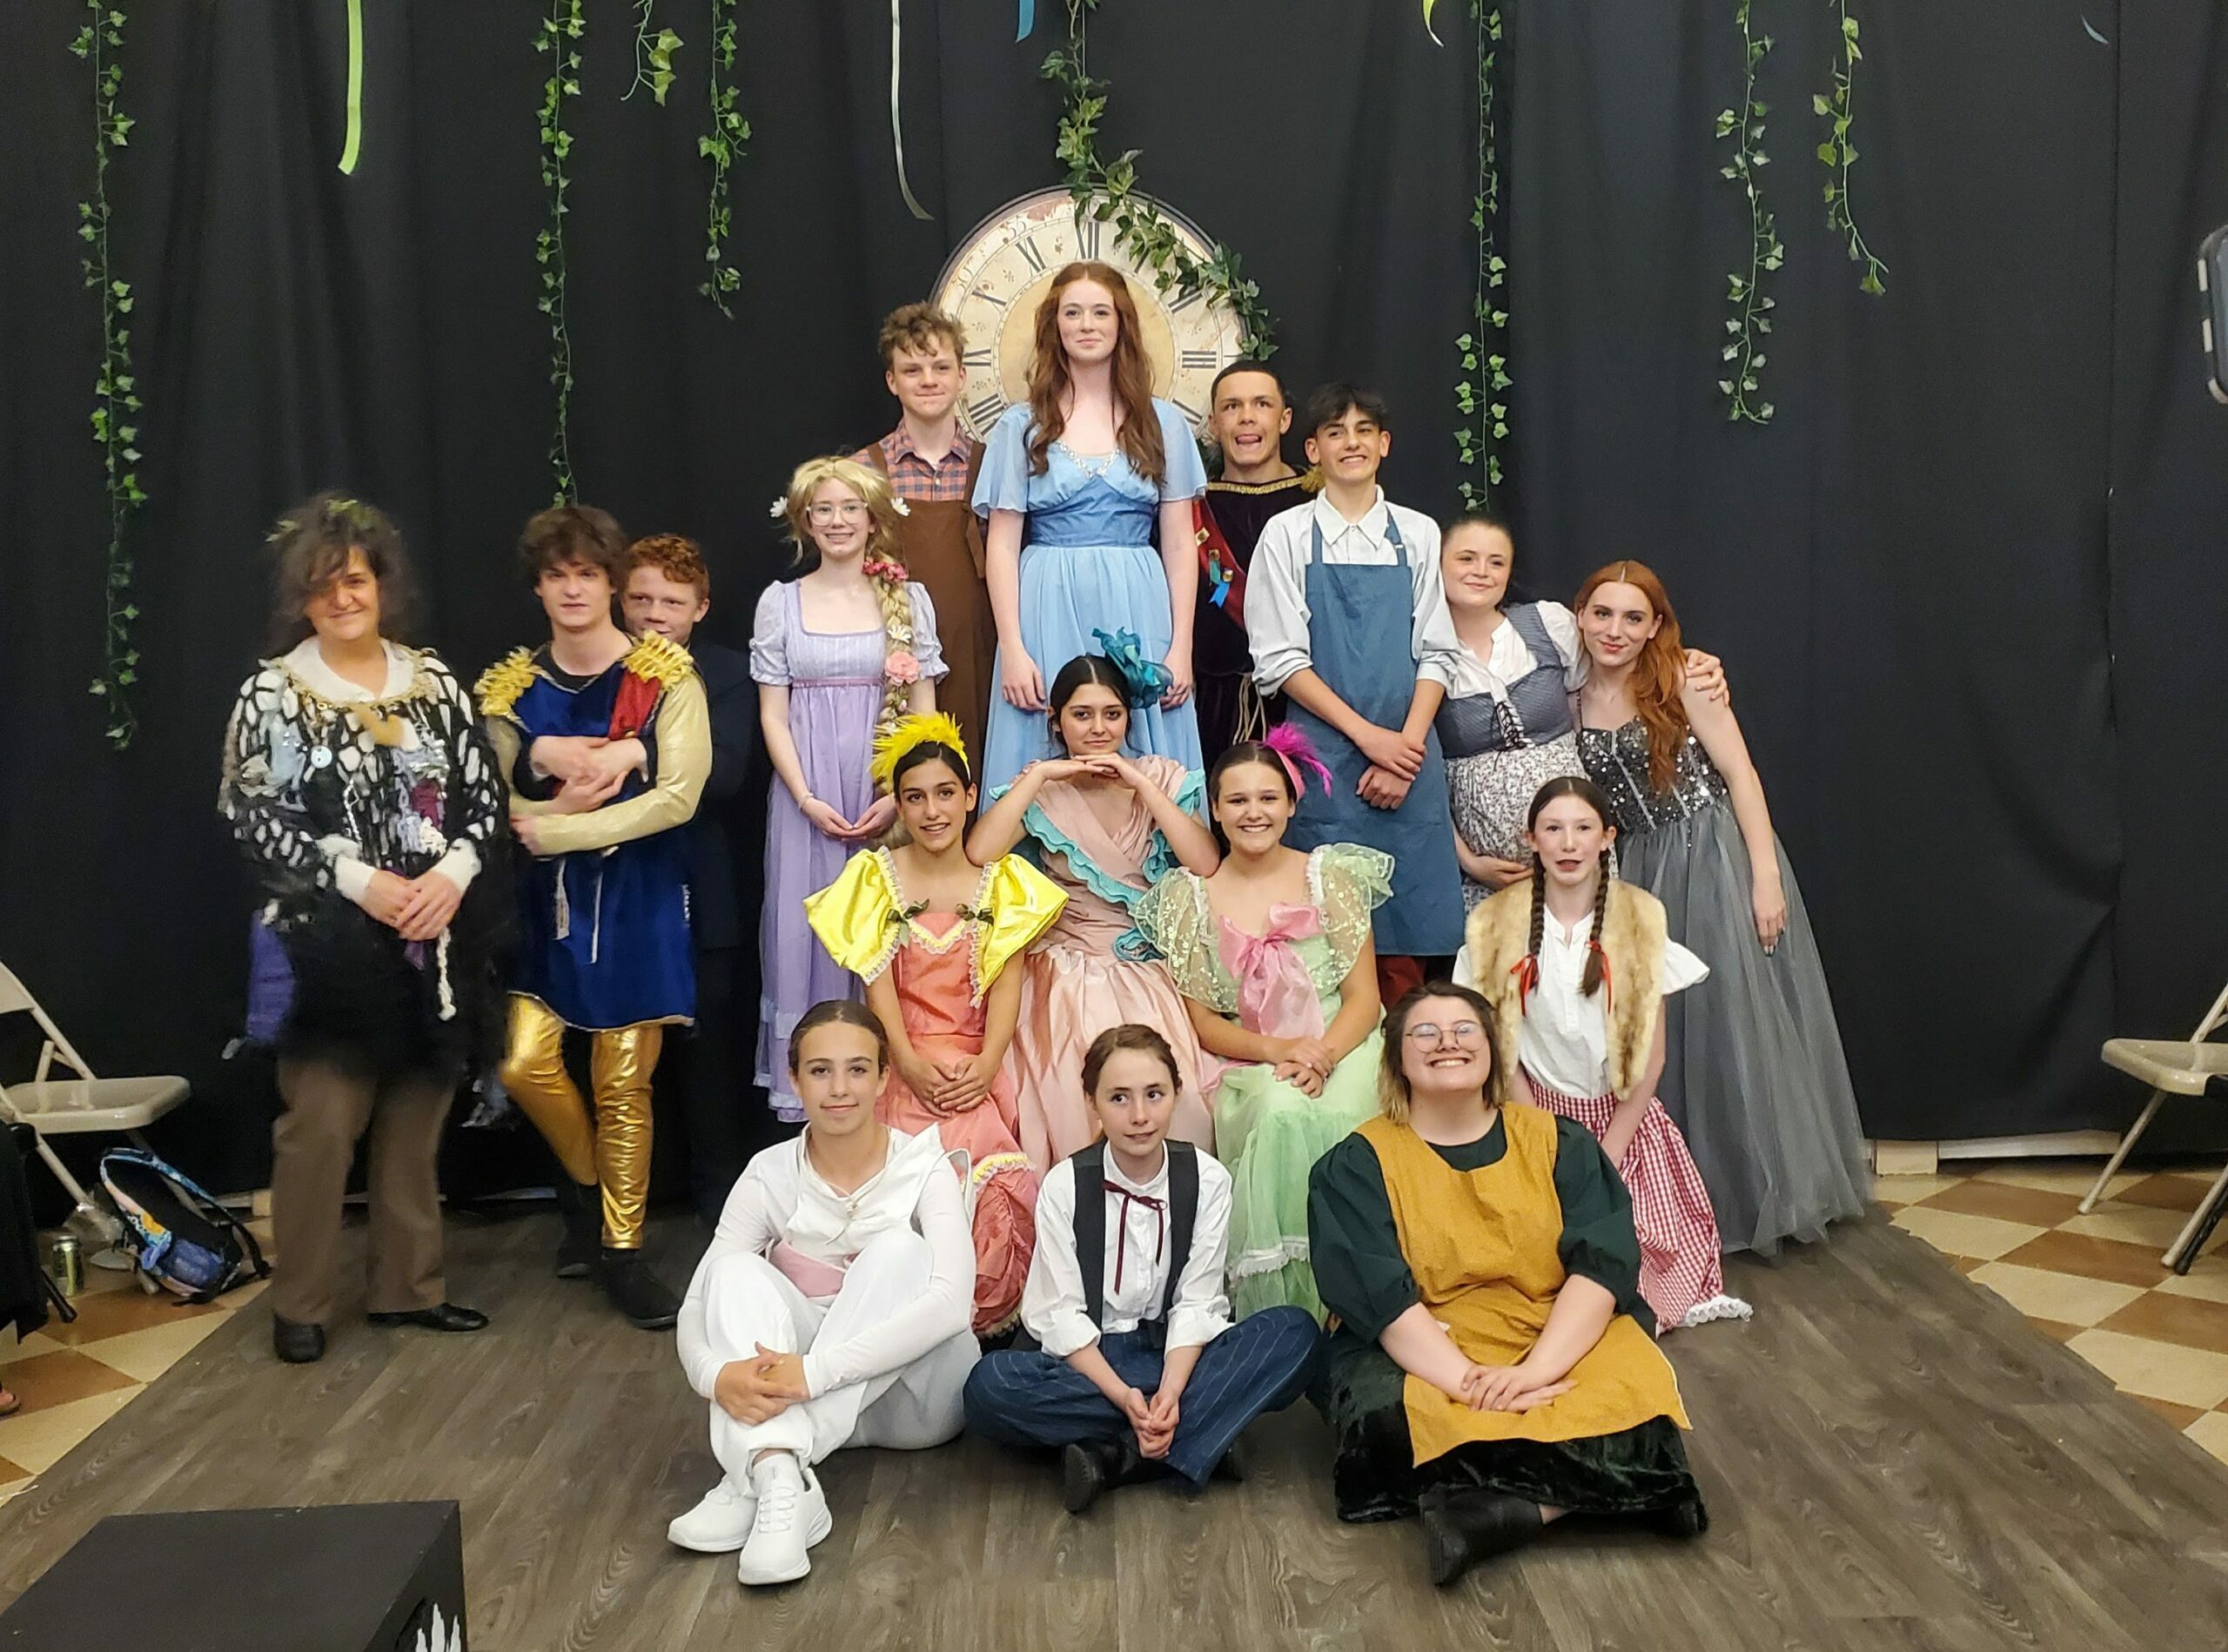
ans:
x=1027 y=23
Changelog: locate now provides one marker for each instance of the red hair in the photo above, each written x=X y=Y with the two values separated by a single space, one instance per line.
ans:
x=1139 y=436
x=1659 y=672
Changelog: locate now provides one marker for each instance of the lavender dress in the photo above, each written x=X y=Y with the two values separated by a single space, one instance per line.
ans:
x=835 y=682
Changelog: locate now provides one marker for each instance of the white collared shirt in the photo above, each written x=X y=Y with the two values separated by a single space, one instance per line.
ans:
x=1275 y=590
x=1508 y=659
x=1138 y=1250
x=1564 y=1042
x=780 y=1197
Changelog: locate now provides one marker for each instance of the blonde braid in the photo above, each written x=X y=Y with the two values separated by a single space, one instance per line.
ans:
x=897 y=602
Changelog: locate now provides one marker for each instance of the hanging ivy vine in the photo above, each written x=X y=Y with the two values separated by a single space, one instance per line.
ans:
x=722 y=146
x=1751 y=321
x=1479 y=437
x=1838 y=154
x=654 y=52
x=116 y=397
x=1107 y=190
x=559 y=34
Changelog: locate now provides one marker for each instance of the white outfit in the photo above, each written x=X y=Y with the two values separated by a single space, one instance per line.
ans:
x=1508 y=657
x=1276 y=588
x=1564 y=1039
x=350 y=876
x=1137 y=1256
x=886 y=1355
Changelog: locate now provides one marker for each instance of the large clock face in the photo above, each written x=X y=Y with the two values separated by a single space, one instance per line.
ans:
x=997 y=276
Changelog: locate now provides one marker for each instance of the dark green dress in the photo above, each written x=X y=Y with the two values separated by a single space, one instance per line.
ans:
x=1355 y=1249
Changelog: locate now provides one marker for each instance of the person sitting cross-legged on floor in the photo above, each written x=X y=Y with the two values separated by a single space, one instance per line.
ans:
x=1139 y=1372
x=832 y=1308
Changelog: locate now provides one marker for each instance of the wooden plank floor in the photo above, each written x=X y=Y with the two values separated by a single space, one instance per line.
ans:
x=1892 y=1457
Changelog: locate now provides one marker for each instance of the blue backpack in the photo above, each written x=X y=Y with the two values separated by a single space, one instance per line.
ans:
x=180 y=1240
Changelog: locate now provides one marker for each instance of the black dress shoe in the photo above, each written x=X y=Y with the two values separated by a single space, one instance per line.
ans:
x=297 y=1344
x=1097 y=1466
x=646 y=1299
x=1462 y=1528
x=582 y=1208
x=448 y=1316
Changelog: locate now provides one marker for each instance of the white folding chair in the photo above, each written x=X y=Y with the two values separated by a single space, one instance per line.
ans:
x=78 y=1105
x=2171 y=1067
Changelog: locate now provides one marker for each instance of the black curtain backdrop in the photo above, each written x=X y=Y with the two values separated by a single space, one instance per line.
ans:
x=1968 y=583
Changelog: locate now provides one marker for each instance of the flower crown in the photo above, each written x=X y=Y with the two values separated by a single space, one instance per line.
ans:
x=920 y=728
x=1147 y=679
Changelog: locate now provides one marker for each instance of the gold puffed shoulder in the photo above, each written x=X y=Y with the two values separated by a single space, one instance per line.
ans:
x=502 y=683
x=1017 y=903
x=857 y=918
x=659 y=659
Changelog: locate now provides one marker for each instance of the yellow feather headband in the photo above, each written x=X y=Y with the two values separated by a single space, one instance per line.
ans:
x=921 y=729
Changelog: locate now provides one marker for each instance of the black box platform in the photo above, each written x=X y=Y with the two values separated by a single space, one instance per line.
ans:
x=352 y=1577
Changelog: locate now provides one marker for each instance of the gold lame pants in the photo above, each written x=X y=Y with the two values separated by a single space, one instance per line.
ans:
x=612 y=1150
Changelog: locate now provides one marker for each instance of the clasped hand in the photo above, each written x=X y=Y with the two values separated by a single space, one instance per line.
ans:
x=1506 y=1388
x=1152 y=1421
x=957 y=1085
x=761 y=1387
x=830 y=821
x=417 y=908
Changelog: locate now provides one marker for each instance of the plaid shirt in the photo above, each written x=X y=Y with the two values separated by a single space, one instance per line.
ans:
x=914 y=477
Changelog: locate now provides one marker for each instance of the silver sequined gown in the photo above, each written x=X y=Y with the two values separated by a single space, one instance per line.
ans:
x=1754 y=1072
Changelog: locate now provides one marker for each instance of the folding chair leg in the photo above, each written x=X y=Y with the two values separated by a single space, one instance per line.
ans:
x=2189 y=1237
x=2119 y=1153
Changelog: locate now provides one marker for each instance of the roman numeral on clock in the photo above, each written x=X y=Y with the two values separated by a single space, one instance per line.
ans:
x=985 y=414
x=1087 y=236
x=1184 y=301
x=1199 y=361
x=1029 y=255
x=974 y=358
x=988 y=297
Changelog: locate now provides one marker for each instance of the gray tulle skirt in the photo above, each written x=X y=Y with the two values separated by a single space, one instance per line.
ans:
x=1754 y=1073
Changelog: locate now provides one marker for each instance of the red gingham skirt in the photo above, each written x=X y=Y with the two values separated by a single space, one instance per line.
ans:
x=1678 y=1266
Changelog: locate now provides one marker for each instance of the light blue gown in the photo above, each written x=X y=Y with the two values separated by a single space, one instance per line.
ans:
x=1087 y=563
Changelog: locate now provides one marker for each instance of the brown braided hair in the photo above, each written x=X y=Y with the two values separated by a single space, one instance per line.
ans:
x=1659 y=673
x=1587 y=793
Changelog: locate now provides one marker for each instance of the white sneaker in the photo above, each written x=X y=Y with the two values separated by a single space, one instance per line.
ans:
x=718 y=1525
x=792 y=1517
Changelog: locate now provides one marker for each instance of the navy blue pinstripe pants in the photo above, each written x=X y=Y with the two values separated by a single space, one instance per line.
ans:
x=1259 y=1364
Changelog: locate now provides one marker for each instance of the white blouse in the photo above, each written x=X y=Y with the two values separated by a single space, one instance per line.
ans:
x=1509 y=657
x=780 y=1197
x=1138 y=1254
x=1564 y=1039
x=1276 y=591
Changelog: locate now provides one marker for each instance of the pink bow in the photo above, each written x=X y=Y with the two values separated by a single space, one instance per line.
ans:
x=1275 y=997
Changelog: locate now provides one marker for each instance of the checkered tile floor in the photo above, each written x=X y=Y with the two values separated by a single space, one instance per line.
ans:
x=73 y=1378
x=2093 y=1282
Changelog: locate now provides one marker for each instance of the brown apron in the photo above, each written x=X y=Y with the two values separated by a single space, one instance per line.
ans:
x=942 y=541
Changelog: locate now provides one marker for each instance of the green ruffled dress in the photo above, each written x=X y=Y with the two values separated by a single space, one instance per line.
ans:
x=1270 y=1133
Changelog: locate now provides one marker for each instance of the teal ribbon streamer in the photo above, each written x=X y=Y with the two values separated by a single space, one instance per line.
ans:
x=1027 y=21
x=354 y=144
x=897 y=121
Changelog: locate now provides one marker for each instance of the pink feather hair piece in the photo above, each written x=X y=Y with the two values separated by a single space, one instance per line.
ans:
x=1296 y=752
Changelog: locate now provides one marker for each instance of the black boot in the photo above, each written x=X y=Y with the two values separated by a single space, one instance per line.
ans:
x=582 y=1209
x=445 y=1316
x=1685 y=1519
x=1462 y=1528
x=1097 y=1466
x=297 y=1344
x=637 y=1293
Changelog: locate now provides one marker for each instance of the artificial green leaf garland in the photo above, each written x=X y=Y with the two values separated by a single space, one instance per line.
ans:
x=653 y=55
x=722 y=146
x=1107 y=190
x=1479 y=439
x=1743 y=352
x=116 y=398
x=1838 y=154
x=559 y=34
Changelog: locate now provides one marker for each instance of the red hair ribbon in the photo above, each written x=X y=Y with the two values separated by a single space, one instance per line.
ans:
x=1608 y=989
x=1527 y=971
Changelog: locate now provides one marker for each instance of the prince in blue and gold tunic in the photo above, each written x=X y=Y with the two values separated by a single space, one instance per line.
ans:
x=606 y=744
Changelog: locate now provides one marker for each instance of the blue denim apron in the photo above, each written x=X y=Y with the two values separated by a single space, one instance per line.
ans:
x=1361 y=639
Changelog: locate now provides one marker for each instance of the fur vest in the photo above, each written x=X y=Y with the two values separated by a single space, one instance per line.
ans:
x=1632 y=933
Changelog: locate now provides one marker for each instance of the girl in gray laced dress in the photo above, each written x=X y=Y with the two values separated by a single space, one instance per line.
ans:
x=1754 y=1072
